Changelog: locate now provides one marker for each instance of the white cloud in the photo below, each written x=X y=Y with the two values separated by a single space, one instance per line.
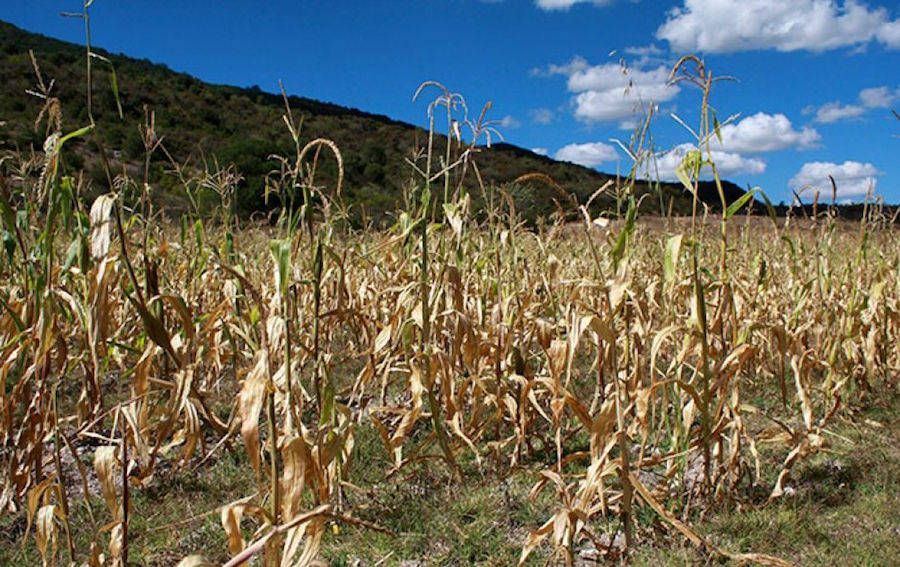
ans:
x=728 y=163
x=719 y=26
x=588 y=155
x=612 y=92
x=542 y=116
x=540 y=151
x=578 y=63
x=876 y=97
x=509 y=122
x=852 y=178
x=879 y=97
x=645 y=51
x=763 y=132
x=610 y=105
x=835 y=112
x=566 y=4
x=614 y=76
x=889 y=34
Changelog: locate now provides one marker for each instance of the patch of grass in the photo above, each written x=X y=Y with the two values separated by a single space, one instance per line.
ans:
x=449 y=524
x=845 y=509
x=176 y=515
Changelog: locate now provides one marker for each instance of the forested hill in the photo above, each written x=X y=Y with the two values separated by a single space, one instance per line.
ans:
x=243 y=125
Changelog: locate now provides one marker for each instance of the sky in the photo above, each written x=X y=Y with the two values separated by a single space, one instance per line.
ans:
x=814 y=80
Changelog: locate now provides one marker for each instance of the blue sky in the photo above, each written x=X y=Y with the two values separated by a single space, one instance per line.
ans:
x=816 y=79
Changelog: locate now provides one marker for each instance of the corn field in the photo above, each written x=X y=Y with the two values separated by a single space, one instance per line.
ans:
x=678 y=349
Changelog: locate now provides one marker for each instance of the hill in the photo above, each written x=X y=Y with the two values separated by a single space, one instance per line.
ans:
x=243 y=126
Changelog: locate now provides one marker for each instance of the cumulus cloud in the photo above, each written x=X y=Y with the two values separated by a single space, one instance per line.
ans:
x=720 y=26
x=852 y=178
x=589 y=155
x=540 y=151
x=728 y=163
x=611 y=92
x=566 y=4
x=763 y=132
x=876 y=97
x=613 y=75
x=542 y=116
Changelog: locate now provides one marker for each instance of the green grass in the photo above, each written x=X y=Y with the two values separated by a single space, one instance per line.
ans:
x=480 y=525
x=173 y=517
x=845 y=511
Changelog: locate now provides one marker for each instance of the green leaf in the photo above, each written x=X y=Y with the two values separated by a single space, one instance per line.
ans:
x=769 y=208
x=281 y=253
x=72 y=254
x=154 y=328
x=739 y=203
x=763 y=270
x=114 y=82
x=76 y=134
x=619 y=248
x=670 y=261
x=229 y=247
x=198 y=235
x=318 y=263
x=688 y=168
x=327 y=403
x=717 y=127
x=202 y=255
